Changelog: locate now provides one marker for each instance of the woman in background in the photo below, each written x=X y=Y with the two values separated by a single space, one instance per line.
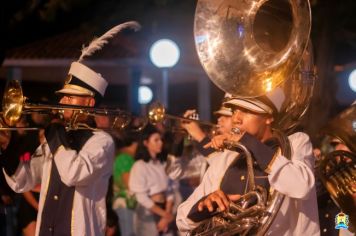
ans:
x=150 y=184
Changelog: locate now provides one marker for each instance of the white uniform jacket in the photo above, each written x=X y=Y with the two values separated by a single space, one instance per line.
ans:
x=298 y=214
x=89 y=171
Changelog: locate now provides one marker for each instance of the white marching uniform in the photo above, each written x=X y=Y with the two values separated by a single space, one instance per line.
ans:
x=294 y=178
x=87 y=170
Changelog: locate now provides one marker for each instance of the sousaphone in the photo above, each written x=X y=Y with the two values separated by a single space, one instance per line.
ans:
x=337 y=169
x=248 y=48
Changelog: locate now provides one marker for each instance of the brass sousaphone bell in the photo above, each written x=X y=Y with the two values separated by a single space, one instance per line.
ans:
x=248 y=48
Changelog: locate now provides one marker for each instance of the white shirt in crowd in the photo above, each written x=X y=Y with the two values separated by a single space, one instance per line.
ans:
x=147 y=179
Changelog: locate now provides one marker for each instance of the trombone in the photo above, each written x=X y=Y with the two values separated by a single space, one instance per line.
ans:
x=157 y=114
x=14 y=105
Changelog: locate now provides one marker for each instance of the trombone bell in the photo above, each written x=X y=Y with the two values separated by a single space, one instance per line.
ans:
x=12 y=103
x=157 y=114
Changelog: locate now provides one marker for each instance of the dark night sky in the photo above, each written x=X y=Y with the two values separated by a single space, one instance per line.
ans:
x=333 y=29
x=27 y=21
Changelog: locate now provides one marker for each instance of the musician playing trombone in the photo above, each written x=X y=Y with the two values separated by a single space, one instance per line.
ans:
x=176 y=168
x=226 y=178
x=73 y=167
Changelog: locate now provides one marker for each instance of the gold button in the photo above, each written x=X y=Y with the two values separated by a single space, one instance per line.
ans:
x=324 y=230
x=326 y=215
x=242 y=178
x=55 y=197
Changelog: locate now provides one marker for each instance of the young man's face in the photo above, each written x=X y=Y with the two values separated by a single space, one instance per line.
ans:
x=224 y=124
x=255 y=124
x=75 y=100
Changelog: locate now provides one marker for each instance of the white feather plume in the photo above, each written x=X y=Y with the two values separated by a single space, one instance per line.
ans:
x=98 y=43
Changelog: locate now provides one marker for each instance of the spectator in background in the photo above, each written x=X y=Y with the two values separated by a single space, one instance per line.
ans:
x=112 y=226
x=112 y=219
x=150 y=184
x=22 y=143
x=124 y=202
x=28 y=208
x=6 y=194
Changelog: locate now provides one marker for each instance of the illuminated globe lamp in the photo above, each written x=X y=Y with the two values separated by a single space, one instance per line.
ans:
x=164 y=54
x=145 y=95
x=352 y=80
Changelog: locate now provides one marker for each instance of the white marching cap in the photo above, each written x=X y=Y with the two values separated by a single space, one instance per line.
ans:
x=83 y=81
x=270 y=103
x=223 y=110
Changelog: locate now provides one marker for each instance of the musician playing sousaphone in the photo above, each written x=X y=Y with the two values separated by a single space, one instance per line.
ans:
x=262 y=180
x=226 y=178
x=337 y=173
x=179 y=168
x=73 y=167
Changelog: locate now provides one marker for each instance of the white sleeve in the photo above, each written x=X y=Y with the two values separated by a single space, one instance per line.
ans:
x=295 y=177
x=94 y=160
x=174 y=167
x=138 y=184
x=208 y=184
x=28 y=174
